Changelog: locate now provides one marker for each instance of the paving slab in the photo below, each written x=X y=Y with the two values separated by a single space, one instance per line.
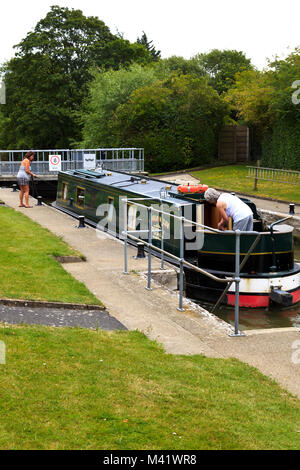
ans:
x=92 y=319
x=274 y=352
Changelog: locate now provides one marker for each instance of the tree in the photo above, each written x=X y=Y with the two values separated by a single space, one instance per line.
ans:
x=285 y=79
x=40 y=103
x=251 y=98
x=176 y=120
x=70 y=39
x=2 y=126
x=48 y=78
x=222 y=67
x=77 y=43
x=121 y=53
x=183 y=66
x=280 y=146
x=108 y=90
x=143 y=40
x=264 y=101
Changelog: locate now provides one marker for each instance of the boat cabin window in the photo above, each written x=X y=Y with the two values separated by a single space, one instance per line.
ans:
x=131 y=220
x=110 y=208
x=199 y=216
x=80 y=196
x=156 y=226
x=64 y=191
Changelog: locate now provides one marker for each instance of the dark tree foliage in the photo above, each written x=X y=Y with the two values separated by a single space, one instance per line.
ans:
x=70 y=39
x=143 y=40
x=40 y=100
x=222 y=67
x=121 y=52
x=48 y=78
x=268 y=102
x=176 y=120
x=184 y=66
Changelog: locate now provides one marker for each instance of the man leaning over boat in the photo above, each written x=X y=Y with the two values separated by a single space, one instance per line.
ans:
x=232 y=206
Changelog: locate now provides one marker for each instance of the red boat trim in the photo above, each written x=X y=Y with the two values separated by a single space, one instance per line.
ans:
x=250 y=301
x=296 y=296
x=259 y=299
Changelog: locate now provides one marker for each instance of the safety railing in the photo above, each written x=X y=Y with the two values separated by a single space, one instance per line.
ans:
x=273 y=174
x=129 y=234
x=118 y=159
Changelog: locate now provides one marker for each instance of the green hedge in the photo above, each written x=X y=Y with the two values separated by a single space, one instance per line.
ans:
x=280 y=148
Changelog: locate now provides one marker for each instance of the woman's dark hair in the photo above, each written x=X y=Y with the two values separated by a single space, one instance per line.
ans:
x=29 y=154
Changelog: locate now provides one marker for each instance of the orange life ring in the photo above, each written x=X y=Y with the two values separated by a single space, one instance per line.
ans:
x=192 y=188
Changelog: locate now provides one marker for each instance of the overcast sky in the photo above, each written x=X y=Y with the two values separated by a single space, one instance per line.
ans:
x=259 y=28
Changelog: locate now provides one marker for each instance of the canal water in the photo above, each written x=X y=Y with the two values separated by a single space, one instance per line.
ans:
x=253 y=318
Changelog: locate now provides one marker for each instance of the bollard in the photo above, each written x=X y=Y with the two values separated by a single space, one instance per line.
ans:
x=141 y=251
x=39 y=200
x=81 y=221
x=14 y=186
x=292 y=209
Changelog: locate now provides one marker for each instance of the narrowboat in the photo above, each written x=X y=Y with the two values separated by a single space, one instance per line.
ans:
x=268 y=273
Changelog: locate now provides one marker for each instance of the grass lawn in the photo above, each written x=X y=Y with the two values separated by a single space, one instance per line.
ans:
x=234 y=178
x=64 y=388
x=28 y=269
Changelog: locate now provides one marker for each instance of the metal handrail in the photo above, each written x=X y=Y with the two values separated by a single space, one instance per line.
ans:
x=122 y=159
x=274 y=174
x=240 y=268
x=273 y=267
x=273 y=169
x=176 y=258
x=205 y=227
x=180 y=260
x=278 y=222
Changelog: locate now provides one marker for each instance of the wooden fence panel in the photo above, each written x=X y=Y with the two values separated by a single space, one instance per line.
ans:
x=234 y=144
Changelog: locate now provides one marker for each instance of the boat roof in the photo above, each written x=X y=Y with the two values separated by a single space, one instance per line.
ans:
x=137 y=184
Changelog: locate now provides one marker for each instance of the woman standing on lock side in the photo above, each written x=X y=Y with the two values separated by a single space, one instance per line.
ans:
x=23 y=178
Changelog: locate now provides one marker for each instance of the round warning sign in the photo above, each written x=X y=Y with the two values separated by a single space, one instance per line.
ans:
x=55 y=162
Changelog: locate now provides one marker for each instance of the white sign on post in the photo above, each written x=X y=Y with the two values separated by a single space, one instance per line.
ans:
x=89 y=161
x=54 y=162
